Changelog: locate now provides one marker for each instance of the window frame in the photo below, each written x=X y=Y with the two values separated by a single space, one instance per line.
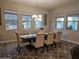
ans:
x=12 y=13
x=28 y=21
x=39 y=21
x=72 y=21
x=59 y=21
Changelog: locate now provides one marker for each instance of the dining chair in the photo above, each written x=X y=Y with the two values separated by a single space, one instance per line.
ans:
x=1 y=33
x=7 y=35
x=57 y=39
x=49 y=41
x=39 y=43
x=75 y=52
x=20 y=42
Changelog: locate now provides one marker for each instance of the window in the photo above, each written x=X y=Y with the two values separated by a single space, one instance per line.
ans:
x=59 y=23
x=72 y=22
x=38 y=21
x=11 y=20
x=27 y=21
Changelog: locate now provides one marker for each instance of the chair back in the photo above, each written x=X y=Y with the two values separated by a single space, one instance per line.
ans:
x=1 y=33
x=50 y=38
x=7 y=35
x=18 y=37
x=39 y=40
x=75 y=52
x=58 y=37
x=10 y=35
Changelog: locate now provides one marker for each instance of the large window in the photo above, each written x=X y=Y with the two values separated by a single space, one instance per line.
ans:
x=11 y=20
x=27 y=21
x=38 y=21
x=72 y=23
x=59 y=23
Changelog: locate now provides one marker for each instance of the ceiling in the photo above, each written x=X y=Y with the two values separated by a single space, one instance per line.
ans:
x=48 y=4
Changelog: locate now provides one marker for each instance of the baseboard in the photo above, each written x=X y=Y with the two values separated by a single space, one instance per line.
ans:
x=71 y=41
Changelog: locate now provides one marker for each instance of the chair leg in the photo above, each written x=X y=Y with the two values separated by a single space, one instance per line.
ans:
x=36 y=51
x=19 y=49
x=52 y=46
x=30 y=47
x=43 y=49
x=47 y=48
x=55 y=44
x=60 y=44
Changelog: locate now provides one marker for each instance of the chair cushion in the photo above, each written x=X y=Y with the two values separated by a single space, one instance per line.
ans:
x=46 y=42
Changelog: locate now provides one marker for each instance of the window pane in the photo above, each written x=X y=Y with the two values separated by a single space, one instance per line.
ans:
x=72 y=22
x=27 y=22
x=38 y=24
x=11 y=25
x=60 y=19
x=59 y=23
x=27 y=25
x=73 y=18
x=11 y=21
x=72 y=25
x=10 y=17
x=38 y=21
x=27 y=18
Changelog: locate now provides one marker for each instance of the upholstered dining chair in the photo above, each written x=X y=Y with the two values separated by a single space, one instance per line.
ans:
x=7 y=35
x=50 y=39
x=39 y=43
x=75 y=52
x=20 y=42
x=57 y=39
